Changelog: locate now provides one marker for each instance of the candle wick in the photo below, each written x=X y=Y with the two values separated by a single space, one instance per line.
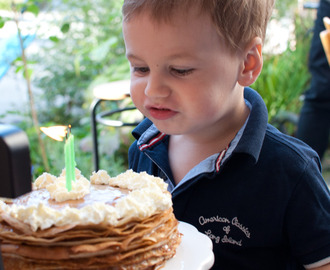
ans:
x=68 y=132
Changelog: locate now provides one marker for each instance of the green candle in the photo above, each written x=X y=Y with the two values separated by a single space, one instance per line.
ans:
x=72 y=158
x=59 y=133
x=67 y=165
x=70 y=163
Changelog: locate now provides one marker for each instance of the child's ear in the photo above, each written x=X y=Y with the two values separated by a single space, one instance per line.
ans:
x=252 y=62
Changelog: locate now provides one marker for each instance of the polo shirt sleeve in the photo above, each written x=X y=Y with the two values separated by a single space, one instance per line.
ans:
x=307 y=219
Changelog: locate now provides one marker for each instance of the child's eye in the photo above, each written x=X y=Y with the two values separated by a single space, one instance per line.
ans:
x=182 y=72
x=140 y=70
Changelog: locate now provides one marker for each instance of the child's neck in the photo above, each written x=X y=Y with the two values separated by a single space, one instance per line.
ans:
x=187 y=151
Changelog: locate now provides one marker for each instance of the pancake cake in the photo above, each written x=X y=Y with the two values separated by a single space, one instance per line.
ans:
x=124 y=222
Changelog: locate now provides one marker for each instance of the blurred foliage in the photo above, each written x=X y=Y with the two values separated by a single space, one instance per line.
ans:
x=285 y=76
x=5 y=4
x=80 y=46
x=284 y=8
x=87 y=49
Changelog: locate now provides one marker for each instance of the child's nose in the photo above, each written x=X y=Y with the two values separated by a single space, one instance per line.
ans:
x=156 y=87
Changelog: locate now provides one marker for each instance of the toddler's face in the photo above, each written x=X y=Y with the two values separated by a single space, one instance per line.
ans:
x=183 y=77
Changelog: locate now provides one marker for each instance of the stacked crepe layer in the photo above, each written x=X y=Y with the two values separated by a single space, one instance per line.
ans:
x=131 y=242
x=137 y=245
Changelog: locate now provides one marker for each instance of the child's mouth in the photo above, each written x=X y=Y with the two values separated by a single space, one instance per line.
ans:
x=161 y=113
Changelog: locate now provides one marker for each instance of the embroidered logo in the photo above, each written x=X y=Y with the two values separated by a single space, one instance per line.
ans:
x=227 y=232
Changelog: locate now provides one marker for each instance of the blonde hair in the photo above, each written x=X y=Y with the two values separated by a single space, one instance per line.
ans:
x=237 y=21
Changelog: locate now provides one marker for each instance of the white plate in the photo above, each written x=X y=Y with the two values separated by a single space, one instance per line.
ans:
x=194 y=252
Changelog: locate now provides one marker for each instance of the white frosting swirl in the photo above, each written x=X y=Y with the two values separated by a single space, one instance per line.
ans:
x=57 y=186
x=100 y=178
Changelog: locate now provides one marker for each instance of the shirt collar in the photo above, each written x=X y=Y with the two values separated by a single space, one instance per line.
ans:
x=254 y=133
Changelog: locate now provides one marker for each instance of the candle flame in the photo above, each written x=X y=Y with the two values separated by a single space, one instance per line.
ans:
x=57 y=133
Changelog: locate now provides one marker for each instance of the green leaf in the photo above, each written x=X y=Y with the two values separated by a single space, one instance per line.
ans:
x=30 y=72
x=54 y=38
x=65 y=28
x=101 y=52
x=18 y=69
x=33 y=9
x=2 y=22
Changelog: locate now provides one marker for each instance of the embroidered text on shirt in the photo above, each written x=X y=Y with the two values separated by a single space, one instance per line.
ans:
x=227 y=234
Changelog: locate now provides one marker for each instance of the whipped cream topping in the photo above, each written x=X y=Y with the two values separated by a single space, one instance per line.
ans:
x=57 y=186
x=100 y=178
x=133 y=180
x=145 y=195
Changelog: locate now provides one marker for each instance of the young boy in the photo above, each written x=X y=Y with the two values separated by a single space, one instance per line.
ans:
x=258 y=194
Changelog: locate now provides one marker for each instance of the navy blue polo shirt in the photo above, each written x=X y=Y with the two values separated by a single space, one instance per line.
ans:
x=263 y=202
